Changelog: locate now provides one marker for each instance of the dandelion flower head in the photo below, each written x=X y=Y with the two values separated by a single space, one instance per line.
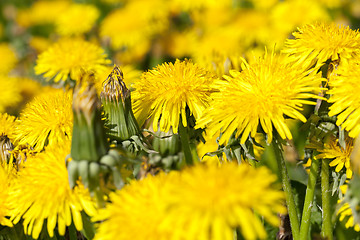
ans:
x=141 y=203
x=77 y=19
x=316 y=43
x=210 y=201
x=47 y=194
x=262 y=94
x=69 y=58
x=168 y=89
x=47 y=119
x=202 y=202
x=340 y=157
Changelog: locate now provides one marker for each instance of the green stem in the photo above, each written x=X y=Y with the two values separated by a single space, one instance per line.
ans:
x=309 y=198
x=290 y=201
x=185 y=144
x=194 y=153
x=326 y=230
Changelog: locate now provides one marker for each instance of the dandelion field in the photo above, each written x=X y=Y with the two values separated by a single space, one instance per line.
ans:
x=179 y=120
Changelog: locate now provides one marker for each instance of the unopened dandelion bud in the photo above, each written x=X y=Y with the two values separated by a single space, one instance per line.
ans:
x=116 y=100
x=89 y=140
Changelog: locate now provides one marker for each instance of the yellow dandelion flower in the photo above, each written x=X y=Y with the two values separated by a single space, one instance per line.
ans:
x=47 y=194
x=4 y=198
x=68 y=58
x=340 y=156
x=7 y=126
x=202 y=202
x=168 y=89
x=316 y=43
x=10 y=93
x=345 y=99
x=209 y=205
x=46 y=120
x=141 y=203
x=41 y=12
x=8 y=58
x=123 y=29
x=261 y=94
x=77 y=19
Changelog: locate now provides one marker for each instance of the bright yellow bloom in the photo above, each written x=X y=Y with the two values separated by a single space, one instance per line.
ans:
x=316 y=43
x=42 y=12
x=46 y=120
x=345 y=98
x=77 y=19
x=164 y=92
x=340 y=157
x=136 y=212
x=261 y=94
x=202 y=202
x=10 y=92
x=7 y=126
x=210 y=201
x=8 y=58
x=4 y=197
x=123 y=29
x=69 y=58
x=42 y=192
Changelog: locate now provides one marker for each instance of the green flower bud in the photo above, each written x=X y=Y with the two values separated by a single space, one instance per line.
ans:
x=89 y=139
x=116 y=100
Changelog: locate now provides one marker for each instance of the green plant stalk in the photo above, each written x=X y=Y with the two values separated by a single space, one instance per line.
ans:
x=309 y=198
x=290 y=201
x=326 y=229
x=194 y=153
x=185 y=144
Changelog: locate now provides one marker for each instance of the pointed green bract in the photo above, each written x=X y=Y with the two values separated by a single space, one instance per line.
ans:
x=116 y=100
